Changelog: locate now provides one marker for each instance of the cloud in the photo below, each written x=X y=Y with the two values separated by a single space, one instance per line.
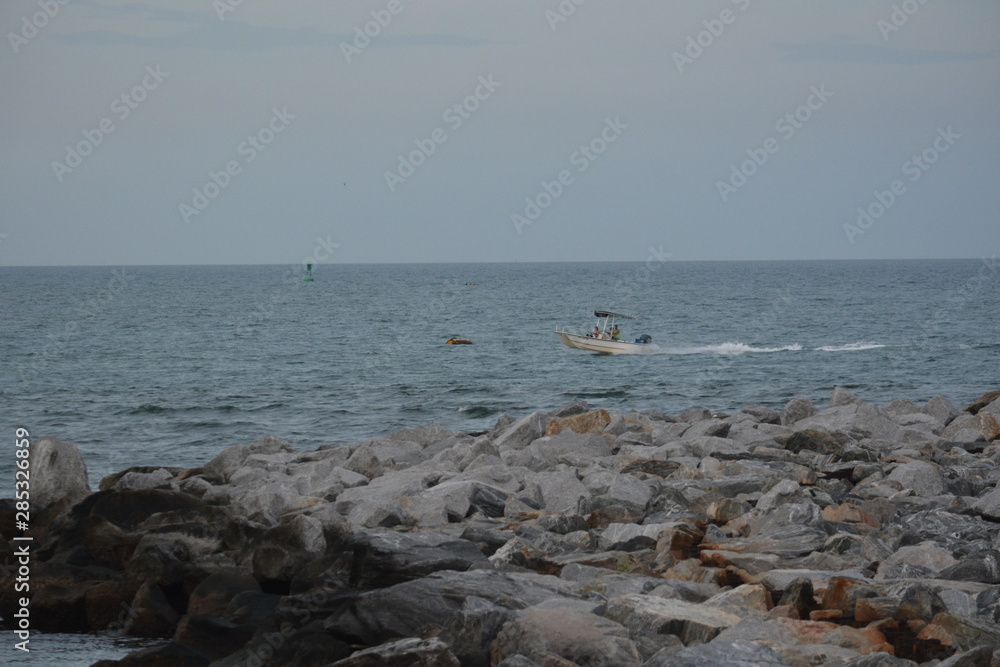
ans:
x=238 y=36
x=845 y=52
x=147 y=12
x=218 y=36
x=130 y=24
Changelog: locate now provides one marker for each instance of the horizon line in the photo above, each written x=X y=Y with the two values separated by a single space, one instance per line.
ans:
x=316 y=265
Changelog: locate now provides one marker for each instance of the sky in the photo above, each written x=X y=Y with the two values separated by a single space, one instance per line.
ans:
x=250 y=132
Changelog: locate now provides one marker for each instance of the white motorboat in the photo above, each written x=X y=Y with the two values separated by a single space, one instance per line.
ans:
x=605 y=338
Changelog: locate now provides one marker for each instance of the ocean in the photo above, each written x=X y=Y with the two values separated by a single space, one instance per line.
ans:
x=168 y=365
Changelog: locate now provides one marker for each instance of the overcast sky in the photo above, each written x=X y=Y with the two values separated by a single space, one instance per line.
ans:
x=193 y=131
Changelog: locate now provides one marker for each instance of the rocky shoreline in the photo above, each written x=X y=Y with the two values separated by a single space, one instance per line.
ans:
x=853 y=535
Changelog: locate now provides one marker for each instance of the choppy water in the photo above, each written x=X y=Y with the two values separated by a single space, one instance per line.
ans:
x=66 y=650
x=168 y=365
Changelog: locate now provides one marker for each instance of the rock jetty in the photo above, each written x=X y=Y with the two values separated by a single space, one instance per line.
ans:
x=852 y=535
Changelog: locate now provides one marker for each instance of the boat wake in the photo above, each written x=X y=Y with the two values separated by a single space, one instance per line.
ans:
x=850 y=347
x=728 y=349
x=736 y=349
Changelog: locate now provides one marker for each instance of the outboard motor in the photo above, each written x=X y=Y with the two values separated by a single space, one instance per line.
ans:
x=645 y=339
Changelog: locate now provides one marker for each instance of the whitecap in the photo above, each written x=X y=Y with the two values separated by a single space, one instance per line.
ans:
x=850 y=347
x=729 y=349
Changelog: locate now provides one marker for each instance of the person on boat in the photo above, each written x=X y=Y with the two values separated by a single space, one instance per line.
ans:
x=616 y=334
x=596 y=333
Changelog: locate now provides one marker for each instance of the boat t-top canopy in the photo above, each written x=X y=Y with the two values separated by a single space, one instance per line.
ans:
x=605 y=313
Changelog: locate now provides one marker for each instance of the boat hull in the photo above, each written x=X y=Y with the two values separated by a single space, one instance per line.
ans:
x=599 y=345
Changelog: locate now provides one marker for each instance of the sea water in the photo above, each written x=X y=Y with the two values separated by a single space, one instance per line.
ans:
x=170 y=365
x=167 y=366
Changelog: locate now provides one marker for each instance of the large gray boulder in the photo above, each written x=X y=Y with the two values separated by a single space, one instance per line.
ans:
x=988 y=506
x=382 y=558
x=859 y=420
x=558 y=490
x=724 y=654
x=220 y=469
x=568 y=447
x=58 y=473
x=439 y=600
x=926 y=555
x=409 y=652
x=841 y=396
x=963 y=428
x=922 y=478
x=797 y=409
x=522 y=432
x=609 y=489
x=941 y=409
x=646 y=614
x=157 y=479
x=571 y=634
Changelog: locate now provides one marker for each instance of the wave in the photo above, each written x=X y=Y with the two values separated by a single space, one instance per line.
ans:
x=850 y=347
x=478 y=411
x=155 y=409
x=729 y=349
x=610 y=393
x=150 y=408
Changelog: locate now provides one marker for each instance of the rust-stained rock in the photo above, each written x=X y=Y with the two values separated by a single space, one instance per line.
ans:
x=594 y=421
x=869 y=610
x=826 y=615
x=982 y=402
x=799 y=595
x=724 y=510
x=692 y=570
x=989 y=426
x=842 y=594
x=849 y=513
x=601 y=518
x=862 y=640
x=750 y=563
x=962 y=633
x=679 y=540
x=805 y=632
